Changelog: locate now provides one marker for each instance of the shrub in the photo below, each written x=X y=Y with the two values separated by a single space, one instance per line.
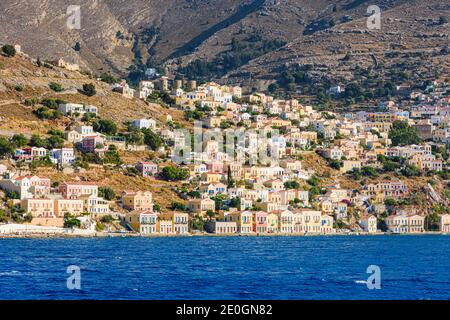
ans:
x=30 y=102
x=50 y=103
x=89 y=89
x=71 y=221
x=369 y=172
x=9 y=50
x=107 y=219
x=55 y=87
x=107 y=193
x=443 y=20
x=12 y=194
x=106 y=77
x=112 y=156
x=177 y=206
x=171 y=173
x=291 y=185
x=47 y=113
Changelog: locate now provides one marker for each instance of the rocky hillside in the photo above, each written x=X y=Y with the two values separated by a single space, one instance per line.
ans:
x=119 y=35
x=23 y=85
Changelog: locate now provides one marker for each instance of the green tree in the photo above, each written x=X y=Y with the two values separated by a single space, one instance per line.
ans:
x=402 y=134
x=355 y=174
x=335 y=164
x=171 y=173
x=106 y=77
x=47 y=113
x=19 y=140
x=410 y=171
x=313 y=181
x=107 y=193
x=37 y=141
x=3 y=216
x=369 y=172
x=211 y=214
x=112 y=156
x=230 y=180
x=105 y=126
x=197 y=223
x=12 y=194
x=152 y=140
x=54 y=142
x=177 y=206
x=70 y=221
x=291 y=185
x=431 y=222
x=6 y=148
x=107 y=219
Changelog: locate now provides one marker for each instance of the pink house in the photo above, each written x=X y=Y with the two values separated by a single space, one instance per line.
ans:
x=260 y=222
x=147 y=169
x=215 y=167
x=77 y=189
x=90 y=143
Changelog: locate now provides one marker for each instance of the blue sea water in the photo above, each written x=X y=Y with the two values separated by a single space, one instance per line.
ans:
x=412 y=267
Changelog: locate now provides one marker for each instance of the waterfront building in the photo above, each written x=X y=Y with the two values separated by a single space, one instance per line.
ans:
x=137 y=201
x=369 y=224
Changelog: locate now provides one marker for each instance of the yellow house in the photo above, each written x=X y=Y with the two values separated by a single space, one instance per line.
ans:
x=214 y=122
x=143 y=222
x=137 y=201
x=349 y=165
x=276 y=122
x=327 y=206
x=212 y=177
x=311 y=220
x=180 y=221
x=275 y=184
x=267 y=206
x=272 y=223
x=236 y=170
x=201 y=205
x=243 y=219
x=72 y=206
x=275 y=197
x=39 y=208
x=285 y=221
x=43 y=212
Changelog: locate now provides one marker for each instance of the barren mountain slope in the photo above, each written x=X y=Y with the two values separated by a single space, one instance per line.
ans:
x=116 y=35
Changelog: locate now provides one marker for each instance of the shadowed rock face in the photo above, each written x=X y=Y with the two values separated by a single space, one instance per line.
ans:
x=115 y=32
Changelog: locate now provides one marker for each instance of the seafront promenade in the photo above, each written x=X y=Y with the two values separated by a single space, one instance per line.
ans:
x=31 y=231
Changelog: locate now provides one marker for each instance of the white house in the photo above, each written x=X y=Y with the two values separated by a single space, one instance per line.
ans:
x=85 y=130
x=369 y=224
x=63 y=157
x=70 y=108
x=144 y=124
